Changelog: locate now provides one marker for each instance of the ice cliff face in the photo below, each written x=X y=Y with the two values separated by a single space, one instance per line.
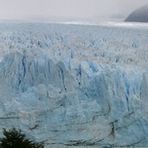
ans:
x=69 y=85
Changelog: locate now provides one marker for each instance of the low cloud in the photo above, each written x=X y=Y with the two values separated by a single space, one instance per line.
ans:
x=68 y=9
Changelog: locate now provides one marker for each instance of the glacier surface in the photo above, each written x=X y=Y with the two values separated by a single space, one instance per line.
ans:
x=75 y=85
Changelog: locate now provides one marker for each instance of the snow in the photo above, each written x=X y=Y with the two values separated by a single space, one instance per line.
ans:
x=75 y=84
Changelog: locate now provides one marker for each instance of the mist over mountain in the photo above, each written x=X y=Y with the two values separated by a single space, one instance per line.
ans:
x=139 y=15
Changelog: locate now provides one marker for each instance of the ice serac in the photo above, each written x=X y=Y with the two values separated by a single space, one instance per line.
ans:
x=71 y=85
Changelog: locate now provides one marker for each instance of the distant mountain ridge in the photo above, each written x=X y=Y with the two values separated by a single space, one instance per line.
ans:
x=139 y=15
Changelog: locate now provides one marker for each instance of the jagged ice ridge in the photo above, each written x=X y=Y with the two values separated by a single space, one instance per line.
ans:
x=75 y=85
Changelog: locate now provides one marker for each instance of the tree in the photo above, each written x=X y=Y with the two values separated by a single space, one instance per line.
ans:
x=16 y=139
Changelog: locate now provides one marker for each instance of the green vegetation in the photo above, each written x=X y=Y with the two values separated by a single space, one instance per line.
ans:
x=16 y=139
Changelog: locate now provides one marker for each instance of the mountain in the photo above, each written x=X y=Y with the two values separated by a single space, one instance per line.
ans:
x=75 y=85
x=139 y=15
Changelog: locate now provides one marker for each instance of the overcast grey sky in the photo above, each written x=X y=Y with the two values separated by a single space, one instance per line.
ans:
x=85 y=9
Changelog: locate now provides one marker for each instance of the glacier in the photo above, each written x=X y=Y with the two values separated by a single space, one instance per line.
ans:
x=75 y=85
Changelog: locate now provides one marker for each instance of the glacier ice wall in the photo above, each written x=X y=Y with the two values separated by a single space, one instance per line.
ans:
x=71 y=85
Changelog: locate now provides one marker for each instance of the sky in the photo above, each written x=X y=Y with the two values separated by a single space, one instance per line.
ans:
x=68 y=9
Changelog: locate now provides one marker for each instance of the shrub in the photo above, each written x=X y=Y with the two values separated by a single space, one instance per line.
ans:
x=16 y=139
